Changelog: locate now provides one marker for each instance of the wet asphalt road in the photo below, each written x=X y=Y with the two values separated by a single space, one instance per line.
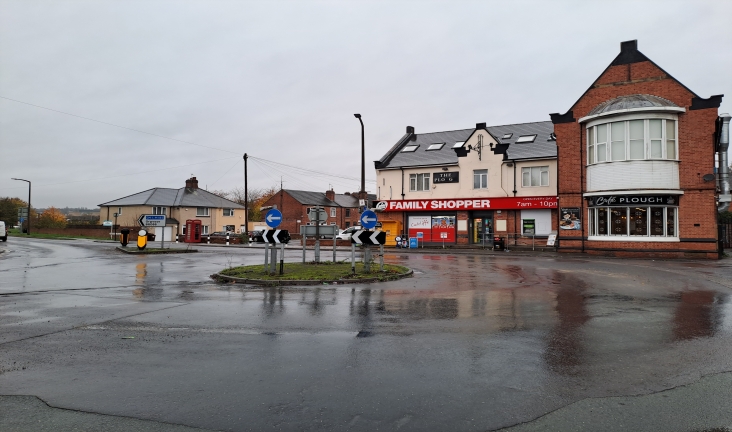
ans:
x=472 y=342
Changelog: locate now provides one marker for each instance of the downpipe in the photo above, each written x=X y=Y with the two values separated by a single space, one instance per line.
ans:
x=724 y=183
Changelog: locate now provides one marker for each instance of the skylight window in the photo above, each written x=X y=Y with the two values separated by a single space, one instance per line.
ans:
x=507 y=136
x=410 y=148
x=526 y=139
x=436 y=146
x=458 y=144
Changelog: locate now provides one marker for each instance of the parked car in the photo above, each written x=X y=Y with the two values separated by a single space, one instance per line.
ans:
x=3 y=231
x=256 y=236
x=348 y=232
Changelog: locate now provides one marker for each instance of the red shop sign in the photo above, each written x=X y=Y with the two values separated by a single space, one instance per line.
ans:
x=503 y=203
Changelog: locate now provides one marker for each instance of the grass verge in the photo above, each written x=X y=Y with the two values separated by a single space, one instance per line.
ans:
x=325 y=271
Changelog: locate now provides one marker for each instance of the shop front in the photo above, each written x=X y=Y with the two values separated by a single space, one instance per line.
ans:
x=463 y=221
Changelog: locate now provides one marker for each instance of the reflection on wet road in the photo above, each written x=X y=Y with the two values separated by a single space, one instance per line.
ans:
x=471 y=342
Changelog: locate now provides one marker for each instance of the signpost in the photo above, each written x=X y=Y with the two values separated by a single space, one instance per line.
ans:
x=367 y=238
x=368 y=219
x=154 y=221
x=313 y=231
x=276 y=237
x=273 y=218
x=317 y=214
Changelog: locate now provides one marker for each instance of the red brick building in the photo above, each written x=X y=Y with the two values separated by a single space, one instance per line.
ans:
x=636 y=159
x=341 y=209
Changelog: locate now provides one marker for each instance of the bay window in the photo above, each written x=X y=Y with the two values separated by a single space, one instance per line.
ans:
x=632 y=139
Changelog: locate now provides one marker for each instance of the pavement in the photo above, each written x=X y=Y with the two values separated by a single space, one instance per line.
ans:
x=473 y=342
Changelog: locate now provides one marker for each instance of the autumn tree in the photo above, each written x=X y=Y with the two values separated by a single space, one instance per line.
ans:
x=257 y=198
x=52 y=218
x=9 y=209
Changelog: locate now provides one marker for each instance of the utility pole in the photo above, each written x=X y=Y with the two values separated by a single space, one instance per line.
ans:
x=29 y=205
x=246 y=199
x=362 y=192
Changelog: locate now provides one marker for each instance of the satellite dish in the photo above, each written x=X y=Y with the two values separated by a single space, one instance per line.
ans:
x=708 y=177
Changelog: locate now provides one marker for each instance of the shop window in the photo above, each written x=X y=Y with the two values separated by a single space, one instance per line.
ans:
x=201 y=211
x=635 y=139
x=480 y=179
x=419 y=182
x=158 y=210
x=535 y=176
x=633 y=221
x=228 y=212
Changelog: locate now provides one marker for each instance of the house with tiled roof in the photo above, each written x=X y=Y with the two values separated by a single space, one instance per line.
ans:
x=469 y=186
x=215 y=213
x=341 y=210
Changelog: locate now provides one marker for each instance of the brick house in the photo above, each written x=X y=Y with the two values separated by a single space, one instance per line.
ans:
x=468 y=186
x=633 y=153
x=341 y=209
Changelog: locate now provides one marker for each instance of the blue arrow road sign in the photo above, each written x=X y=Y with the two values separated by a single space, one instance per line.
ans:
x=273 y=218
x=368 y=219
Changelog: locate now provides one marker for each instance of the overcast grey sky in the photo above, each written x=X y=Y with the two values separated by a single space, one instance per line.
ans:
x=281 y=80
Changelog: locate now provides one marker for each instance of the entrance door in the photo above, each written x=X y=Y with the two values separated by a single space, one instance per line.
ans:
x=483 y=231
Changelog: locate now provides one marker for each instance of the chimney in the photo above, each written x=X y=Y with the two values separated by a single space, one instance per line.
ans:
x=629 y=46
x=480 y=125
x=347 y=193
x=410 y=129
x=330 y=194
x=192 y=183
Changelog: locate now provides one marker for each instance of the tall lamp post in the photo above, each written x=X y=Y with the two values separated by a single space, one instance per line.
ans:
x=29 y=204
x=362 y=192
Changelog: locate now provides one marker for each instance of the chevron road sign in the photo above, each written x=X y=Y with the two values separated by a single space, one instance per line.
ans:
x=369 y=237
x=276 y=236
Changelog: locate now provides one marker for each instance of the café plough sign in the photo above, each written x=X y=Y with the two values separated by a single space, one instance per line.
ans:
x=629 y=200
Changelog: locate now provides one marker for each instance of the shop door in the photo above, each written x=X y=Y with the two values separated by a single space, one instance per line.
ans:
x=483 y=231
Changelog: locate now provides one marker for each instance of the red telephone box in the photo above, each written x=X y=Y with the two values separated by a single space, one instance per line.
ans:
x=193 y=231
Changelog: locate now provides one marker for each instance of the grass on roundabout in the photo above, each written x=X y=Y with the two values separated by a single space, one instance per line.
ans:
x=325 y=271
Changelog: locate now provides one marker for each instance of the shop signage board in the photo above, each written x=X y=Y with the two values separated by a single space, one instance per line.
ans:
x=624 y=200
x=413 y=243
x=446 y=177
x=569 y=218
x=273 y=218
x=152 y=220
x=502 y=203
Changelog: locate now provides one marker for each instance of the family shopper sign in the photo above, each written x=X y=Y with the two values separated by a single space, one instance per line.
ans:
x=506 y=203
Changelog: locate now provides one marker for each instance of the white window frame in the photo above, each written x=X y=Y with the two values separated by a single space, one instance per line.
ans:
x=231 y=211
x=156 y=210
x=204 y=229
x=333 y=212
x=592 y=217
x=541 y=168
x=119 y=211
x=206 y=211
x=591 y=140
x=419 y=182
x=482 y=174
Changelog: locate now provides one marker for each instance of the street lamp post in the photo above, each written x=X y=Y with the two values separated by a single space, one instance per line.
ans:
x=362 y=192
x=29 y=204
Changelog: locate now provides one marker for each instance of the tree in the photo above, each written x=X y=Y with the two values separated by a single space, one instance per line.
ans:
x=52 y=218
x=257 y=198
x=9 y=209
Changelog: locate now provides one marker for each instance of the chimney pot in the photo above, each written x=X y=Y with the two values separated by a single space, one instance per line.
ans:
x=192 y=183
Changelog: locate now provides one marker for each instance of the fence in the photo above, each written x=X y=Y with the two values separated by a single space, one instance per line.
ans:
x=725 y=234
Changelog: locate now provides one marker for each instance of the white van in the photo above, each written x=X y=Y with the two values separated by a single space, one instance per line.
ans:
x=3 y=232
